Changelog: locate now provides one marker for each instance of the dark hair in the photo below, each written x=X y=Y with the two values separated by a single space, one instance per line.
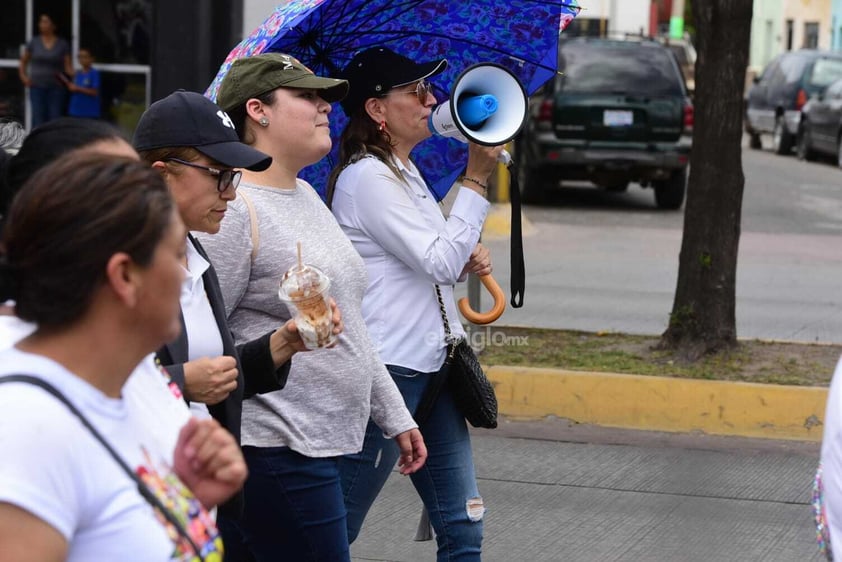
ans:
x=67 y=222
x=360 y=137
x=239 y=116
x=44 y=144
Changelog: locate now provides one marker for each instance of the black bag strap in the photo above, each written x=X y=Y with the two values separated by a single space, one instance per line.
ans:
x=518 y=275
x=448 y=335
x=142 y=488
x=431 y=393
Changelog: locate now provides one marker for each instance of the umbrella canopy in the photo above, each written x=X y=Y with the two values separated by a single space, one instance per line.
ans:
x=521 y=35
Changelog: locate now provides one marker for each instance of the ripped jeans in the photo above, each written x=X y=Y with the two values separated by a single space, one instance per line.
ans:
x=446 y=484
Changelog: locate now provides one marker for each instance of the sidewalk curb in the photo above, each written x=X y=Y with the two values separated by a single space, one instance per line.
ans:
x=662 y=403
x=498 y=222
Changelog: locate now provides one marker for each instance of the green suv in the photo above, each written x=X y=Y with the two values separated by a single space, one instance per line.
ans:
x=618 y=112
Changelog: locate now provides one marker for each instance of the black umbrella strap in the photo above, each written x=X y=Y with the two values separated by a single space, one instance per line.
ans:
x=518 y=275
x=142 y=488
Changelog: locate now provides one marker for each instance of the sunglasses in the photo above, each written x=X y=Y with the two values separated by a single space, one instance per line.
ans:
x=421 y=91
x=224 y=178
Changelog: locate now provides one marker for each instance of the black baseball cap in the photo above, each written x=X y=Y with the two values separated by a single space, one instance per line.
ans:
x=190 y=119
x=375 y=71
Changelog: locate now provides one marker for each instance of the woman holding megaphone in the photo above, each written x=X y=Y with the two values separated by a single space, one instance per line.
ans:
x=414 y=255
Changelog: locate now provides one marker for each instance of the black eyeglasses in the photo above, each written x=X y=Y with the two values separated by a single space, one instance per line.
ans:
x=422 y=90
x=224 y=178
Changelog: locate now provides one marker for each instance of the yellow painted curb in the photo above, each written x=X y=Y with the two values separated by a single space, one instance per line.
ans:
x=662 y=403
x=498 y=223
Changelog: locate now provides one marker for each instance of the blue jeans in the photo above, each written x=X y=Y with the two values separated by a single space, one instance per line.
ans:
x=446 y=484
x=293 y=510
x=47 y=104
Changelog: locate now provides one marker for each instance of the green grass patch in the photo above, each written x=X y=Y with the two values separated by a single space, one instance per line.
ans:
x=758 y=361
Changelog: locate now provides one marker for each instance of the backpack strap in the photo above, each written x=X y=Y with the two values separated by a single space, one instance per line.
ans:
x=255 y=233
x=144 y=491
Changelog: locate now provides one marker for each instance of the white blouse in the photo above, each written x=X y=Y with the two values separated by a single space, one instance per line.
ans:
x=408 y=246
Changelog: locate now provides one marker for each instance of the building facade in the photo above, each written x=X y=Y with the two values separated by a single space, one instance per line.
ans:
x=807 y=24
x=766 y=34
x=789 y=25
x=144 y=49
x=836 y=25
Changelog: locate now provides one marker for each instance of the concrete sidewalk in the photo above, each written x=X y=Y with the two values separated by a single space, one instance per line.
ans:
x=580 y=494
x=723 y=473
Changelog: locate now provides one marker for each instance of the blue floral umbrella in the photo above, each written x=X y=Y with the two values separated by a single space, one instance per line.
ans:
x=521 y=35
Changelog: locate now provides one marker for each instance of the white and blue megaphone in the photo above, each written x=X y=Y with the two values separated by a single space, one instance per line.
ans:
x=487 y=105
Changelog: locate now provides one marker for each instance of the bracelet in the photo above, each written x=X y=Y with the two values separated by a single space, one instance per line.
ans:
x=472 y=180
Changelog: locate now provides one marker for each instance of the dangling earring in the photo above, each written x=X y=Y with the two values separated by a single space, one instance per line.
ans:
x=264 y=122
x=382 y=127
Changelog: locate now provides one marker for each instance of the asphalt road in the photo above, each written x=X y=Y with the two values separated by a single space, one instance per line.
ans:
x=605 y=261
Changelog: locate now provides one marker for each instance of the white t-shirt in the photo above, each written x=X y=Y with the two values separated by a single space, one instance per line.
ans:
x=13 y=329
x=54 y=468
x=831 y=459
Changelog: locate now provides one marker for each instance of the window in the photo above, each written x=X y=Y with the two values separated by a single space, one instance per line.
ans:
x=586 y=27
x=790 y=26
x=12 y=31
x=792 y=68
x=116 y=31
x=834 y=91
x=619 y=68
x=825 y=72
x=811 y=35
x=118 y=34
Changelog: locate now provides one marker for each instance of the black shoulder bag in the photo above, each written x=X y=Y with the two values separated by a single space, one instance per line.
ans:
x=142 y=489
x=472 y=392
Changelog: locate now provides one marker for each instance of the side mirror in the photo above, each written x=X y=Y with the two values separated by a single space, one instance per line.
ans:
x=756 y=80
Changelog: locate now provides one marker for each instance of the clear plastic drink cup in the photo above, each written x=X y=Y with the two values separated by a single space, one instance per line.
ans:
x=304 y=290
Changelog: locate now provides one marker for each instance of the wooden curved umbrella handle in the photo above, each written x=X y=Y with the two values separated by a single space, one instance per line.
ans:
x=493 y=314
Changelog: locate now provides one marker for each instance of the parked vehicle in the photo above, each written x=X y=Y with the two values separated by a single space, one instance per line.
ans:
x=619 y=113
x=774 y=102
x=820 y=130
x=685 y=53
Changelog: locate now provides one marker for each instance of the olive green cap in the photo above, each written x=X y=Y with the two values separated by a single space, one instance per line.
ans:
x=253 y=76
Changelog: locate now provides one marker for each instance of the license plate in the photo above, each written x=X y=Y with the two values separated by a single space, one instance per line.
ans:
x=617 y=118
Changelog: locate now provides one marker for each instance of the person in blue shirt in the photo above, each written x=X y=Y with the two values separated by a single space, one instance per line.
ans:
x=84 y=89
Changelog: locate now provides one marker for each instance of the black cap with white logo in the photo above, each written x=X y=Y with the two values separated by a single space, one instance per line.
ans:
x=375 y=71
x=190 y=119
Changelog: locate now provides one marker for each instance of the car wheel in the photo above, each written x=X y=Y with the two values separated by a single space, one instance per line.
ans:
x=804 y=145
x=669 y=193
x=781 y=139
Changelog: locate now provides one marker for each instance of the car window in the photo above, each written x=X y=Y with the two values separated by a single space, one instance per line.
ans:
x=825 y=72
x=680 y=53
x=618 y=68
x=770 y=70
x=793 y=68
x=834 y=91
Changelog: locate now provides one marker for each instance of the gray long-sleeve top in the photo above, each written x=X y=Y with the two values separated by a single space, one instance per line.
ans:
x=324 y=409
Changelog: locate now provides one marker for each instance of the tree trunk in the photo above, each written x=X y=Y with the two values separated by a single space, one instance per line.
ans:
x=703 y=316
